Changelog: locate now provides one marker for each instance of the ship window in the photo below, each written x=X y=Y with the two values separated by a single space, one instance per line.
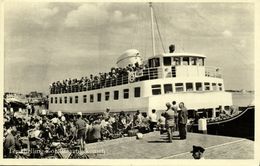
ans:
x=207 y=113
x=155 y=62
x=167 y=61
x=65 y=100
x=84 y=98
x=70 y=99
x=107 y=96
x=179 y=87
x=126 y=93
x=198 y=86
x=220 y=87
x=99 y=97
x=217 y=114
x=214 y=86
x=51 y=99
x=193 y=61
x=76 y=99
x=210 y=113
x=116 y=95
x=167 y=88
x=185 y=61
x=60 y=100
x=91 y=98
x=200 y=61
x=207 y=86
x=156 y=89
x=176 y=61
x=189 y=86
x=137 y=92
x=56 y=100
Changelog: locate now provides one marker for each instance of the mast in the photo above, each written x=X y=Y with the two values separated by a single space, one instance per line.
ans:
x=153 y=41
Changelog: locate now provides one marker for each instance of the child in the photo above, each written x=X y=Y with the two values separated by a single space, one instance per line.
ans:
x=162 y=123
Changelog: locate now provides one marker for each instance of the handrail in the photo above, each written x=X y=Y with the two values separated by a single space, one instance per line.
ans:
x=212 y=71
x=145 y=74
x=139 y=75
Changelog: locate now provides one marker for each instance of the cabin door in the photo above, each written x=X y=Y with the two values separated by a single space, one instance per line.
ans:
x=167 y=64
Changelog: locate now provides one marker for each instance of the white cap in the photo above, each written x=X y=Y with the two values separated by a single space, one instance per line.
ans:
x=63 y=118
x=79 y=113
x=59 y=113
x=43 y=112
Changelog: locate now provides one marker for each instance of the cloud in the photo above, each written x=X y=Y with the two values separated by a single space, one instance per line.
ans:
x=90 y=14
x=29 y=13
x=227 y=33
x=242 y=43
x=118 y=17
x=93 y=14
x=61 y=40
x=43 y=14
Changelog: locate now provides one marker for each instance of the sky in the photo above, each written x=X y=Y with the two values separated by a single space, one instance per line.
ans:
x=47 y=42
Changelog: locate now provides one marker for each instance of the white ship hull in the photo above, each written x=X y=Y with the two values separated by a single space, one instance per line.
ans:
x=210 y=99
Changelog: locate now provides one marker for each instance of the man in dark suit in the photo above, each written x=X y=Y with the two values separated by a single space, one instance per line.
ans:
x=182 y=120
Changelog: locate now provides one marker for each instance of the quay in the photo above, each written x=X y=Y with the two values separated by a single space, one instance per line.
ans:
x=155 y=146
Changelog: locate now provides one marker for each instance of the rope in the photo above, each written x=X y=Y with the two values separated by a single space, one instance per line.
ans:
x=159 y=33
x=137 y=26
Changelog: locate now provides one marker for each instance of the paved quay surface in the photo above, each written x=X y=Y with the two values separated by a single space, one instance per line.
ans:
x=155 y=146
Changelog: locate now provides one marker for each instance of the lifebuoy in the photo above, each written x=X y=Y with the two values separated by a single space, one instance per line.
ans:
x=131 y=77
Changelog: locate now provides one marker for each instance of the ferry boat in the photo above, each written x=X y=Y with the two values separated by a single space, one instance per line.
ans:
x=166 y=77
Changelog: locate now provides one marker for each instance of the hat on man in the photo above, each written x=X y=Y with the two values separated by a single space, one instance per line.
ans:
x=43 y=112
x=168 y=104
x=63 y=118
x=59 y=113
x=79 y=113
x=197 y=149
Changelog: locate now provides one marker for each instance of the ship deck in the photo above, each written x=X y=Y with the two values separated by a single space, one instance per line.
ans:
x=155 y=146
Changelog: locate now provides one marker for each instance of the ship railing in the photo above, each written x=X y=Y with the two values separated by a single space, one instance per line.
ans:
x=212 y=71
x=145 y=74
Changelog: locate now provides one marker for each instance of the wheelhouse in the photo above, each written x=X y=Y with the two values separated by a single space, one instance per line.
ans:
x=176 y=59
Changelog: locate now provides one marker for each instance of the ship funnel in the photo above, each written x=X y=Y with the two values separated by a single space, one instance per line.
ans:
x=131 y=56
x=171 y=48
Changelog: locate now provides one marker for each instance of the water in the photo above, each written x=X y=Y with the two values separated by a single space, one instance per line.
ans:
x=242 y=99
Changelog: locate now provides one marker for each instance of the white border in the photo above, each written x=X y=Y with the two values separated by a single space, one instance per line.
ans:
x=256 y=161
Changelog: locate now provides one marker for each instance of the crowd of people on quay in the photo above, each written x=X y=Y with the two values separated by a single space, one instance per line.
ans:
x=39 y=130
x=117 y=75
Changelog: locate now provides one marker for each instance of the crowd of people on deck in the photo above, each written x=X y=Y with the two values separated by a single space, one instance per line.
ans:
x=42 y=128
x=116 y=75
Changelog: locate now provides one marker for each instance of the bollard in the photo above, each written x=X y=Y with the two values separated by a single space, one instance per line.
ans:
x=202 y=126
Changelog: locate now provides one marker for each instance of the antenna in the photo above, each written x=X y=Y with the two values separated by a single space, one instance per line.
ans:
x=153 y=41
